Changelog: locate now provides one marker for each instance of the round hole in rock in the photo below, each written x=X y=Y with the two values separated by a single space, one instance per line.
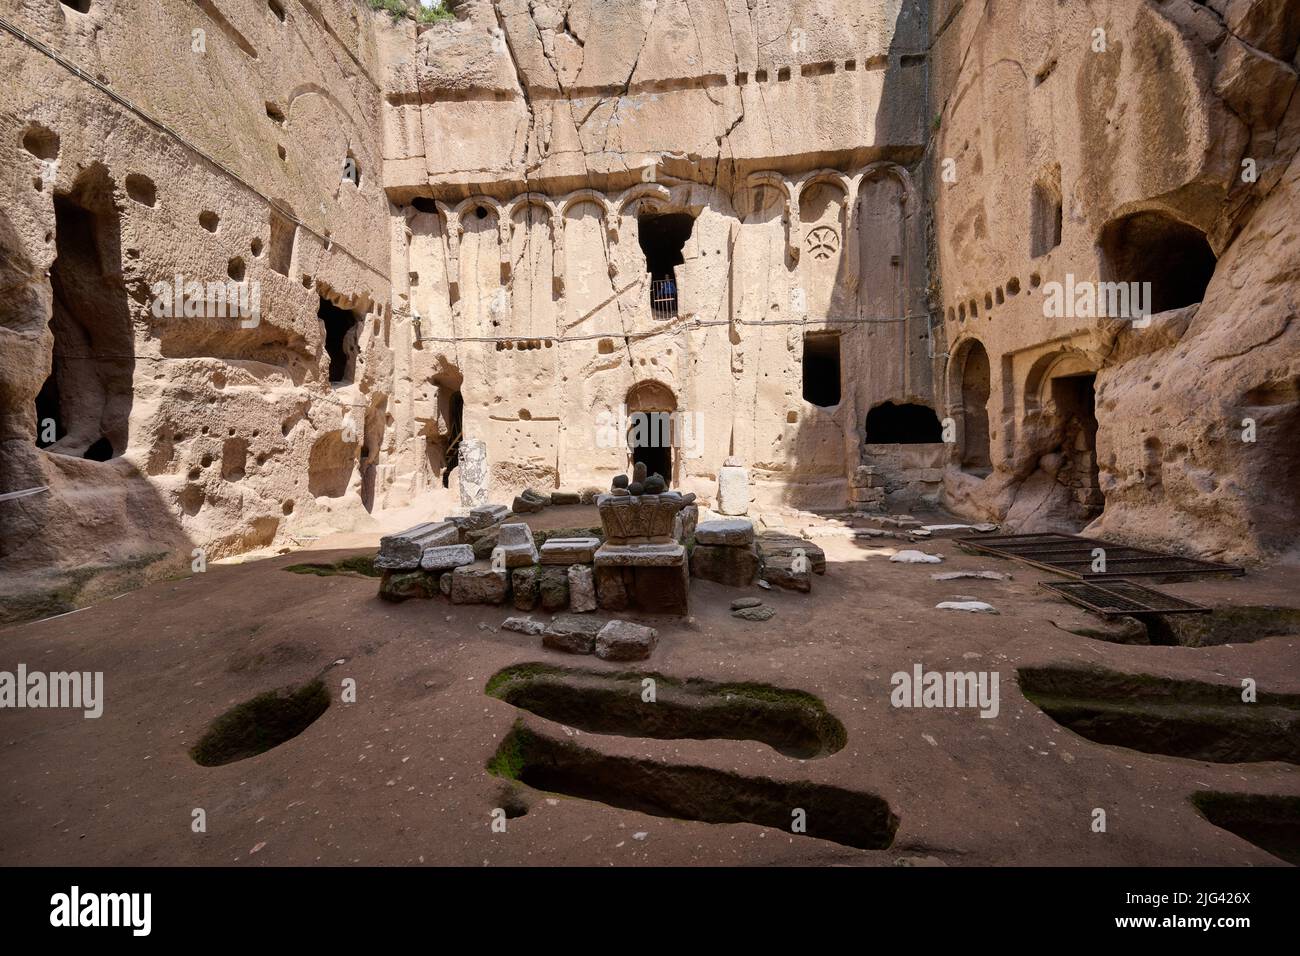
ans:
x=287 y=507
x=235 y=269
x=209 y=220
x=481 y=212
x=141 y=189
x=256 y=247
x=260 y=724
x=41 y=142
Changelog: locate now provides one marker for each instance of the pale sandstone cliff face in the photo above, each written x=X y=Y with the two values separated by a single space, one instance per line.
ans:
x=533 y=146
x=198 y=432
x=521 y=165
x=1142 y=146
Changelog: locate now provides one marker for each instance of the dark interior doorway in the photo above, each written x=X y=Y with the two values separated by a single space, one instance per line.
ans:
x=84 y=406
x=1074 y=397
x=338 y=323
x=653 y=443
x=821 y=368
x=455 y=418
x=908 y=424
x=975 y=389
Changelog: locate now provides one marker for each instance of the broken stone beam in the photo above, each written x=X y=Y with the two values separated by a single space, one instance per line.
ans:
x=402 y=551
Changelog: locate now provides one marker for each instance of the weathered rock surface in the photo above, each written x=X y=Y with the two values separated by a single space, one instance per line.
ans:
x=478 y=586
x=572 y=633
x=625 y=641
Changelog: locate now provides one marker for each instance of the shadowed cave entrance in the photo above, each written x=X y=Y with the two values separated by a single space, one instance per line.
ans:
x=84 y=407
x=1076 y=407
x=1152 y=247
x=909 y=424
x=340 y=342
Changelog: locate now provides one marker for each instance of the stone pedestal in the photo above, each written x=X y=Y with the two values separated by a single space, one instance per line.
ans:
x=640 y=565
x=645 y=577
x=733 y=488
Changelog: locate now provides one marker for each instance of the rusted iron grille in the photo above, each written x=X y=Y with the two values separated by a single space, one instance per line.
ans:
x=1071 y=555
x=1113 y=598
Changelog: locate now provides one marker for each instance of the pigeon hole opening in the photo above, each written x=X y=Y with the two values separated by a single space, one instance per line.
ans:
x=1152 y=247
x=340 y=342
x=84 y=406
x=662 y=237
x=821 y=368
x=906 y=424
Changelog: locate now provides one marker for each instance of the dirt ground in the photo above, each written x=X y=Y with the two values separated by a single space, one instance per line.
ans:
x=399 y=776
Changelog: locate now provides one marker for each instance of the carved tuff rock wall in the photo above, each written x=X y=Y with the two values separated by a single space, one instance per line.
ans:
x=476 y=241
x=1126 y=141
x=538 y=151
x=206 y=139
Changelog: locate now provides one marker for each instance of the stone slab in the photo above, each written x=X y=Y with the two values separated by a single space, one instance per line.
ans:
x=445 y=557
x=569 y=550
x=402 y=551
x=582 y=589
x=573 y=633
x=641 y=555
x=625 y=641
x=735 y=532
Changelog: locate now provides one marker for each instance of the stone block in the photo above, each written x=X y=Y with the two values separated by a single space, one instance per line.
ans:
x=400 y=585
x=781 y=571
x=733 y=490
x=553 y=588
x=446 y=557
x=783 y=544
x=569 y=550
x=582 y=589
x=523 y=585
x=515 y=543
x=625 y=641
x=735 y=567
x=573 y=633
x=471 y=585
x=565 y=498
x=640 y=555
x=528 y=502
x=402 y=551
x=524 y=625
x=736 y=532
x=611 y=589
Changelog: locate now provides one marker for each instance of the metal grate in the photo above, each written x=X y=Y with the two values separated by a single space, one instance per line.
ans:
x=663 y=298
x=1072 y=555
x=1114 y=598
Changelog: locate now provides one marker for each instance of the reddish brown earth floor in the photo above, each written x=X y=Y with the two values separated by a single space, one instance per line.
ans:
x=399 y=776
